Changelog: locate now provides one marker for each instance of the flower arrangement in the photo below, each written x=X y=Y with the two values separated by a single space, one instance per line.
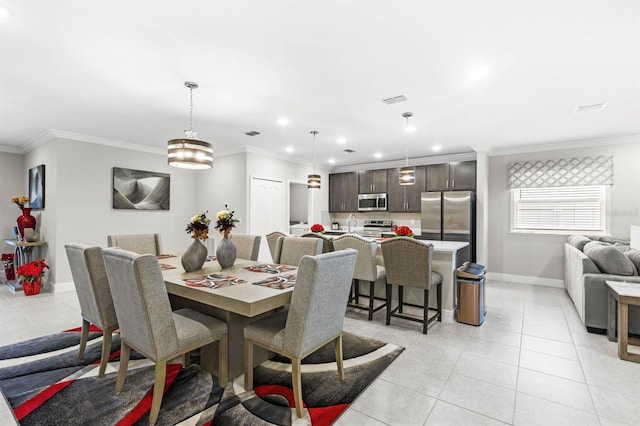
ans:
x=199 y=226
x=225 y=221
x=32 y=271
x=20 y=200
x=403 y=231
x=317 y=228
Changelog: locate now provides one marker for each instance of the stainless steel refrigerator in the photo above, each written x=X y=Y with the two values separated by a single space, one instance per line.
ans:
x=450 y=216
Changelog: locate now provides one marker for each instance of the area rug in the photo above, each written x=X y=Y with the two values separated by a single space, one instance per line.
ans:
x=46 y=384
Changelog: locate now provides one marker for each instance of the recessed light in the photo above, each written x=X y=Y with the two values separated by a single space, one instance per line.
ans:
x=332 y=161
x=477 y=73
x=378 y=155
x=289 y=149
x=409 y=129
x=341 y=140
x=283 y=121
x=436 y=148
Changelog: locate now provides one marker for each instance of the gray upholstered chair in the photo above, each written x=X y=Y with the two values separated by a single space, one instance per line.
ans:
x=408 y=264
x=272 y=241
x=289 y=250
x=314 y=318
x=94 y=294
x=148 y=326
x=247 y=245
x=366 y=270
x=137 y=243
x=327 y=243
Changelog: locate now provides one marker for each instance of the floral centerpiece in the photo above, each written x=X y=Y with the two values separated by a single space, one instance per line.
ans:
x=20 y=200
x=225 y=222
x=26 y=220
x=9 y=272
x=199 y=226
x=317 y=228
x=30 y=276
x=403 y=231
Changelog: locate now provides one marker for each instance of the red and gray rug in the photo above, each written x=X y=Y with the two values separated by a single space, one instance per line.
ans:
x=46 y=384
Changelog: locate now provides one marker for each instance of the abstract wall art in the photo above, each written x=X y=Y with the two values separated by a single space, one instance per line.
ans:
x=140 y=190
x=36 y=187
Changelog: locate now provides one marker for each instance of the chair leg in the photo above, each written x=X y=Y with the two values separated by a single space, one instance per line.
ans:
x=439 y=301
x=223 y=360
x=158 y=391
x=248 y=365
x=106 y=350
x=356 y=288
x=388 y=291
x=125 y=353
x=84 y=336
x=425 y=312
x=339 y=360
x=400 y=298
x=371 y=290
x=297 y=385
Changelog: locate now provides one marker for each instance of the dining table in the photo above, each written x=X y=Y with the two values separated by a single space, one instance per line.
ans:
x=238 y=295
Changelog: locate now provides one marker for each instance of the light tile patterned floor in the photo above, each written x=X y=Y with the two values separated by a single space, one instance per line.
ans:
x=530 y=363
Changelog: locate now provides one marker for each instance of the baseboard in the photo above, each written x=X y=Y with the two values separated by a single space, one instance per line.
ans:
x=524 y=279
x=61 y=287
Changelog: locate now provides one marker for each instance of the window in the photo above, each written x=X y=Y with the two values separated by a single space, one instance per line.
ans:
x=558 y=209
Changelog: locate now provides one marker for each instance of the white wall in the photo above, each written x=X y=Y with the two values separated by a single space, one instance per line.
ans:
x=15 y=181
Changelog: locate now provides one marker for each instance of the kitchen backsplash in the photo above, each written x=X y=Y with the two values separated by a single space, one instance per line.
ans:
x=412 y=220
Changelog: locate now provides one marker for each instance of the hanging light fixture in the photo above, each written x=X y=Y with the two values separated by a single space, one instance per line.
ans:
x=407 y=174
x=313 y=181
x=190 y=152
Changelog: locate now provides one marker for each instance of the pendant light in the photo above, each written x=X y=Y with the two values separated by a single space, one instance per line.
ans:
x=313 y=181
x=190 y=152
x=407 y=175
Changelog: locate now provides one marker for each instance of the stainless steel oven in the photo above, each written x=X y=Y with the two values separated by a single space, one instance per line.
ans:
x=372 y=202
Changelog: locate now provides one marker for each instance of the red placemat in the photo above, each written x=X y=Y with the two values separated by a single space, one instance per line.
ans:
x=270 y=268
x=278 y=281
x=213 y=281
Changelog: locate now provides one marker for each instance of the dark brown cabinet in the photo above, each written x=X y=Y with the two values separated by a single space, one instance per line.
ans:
x=451 y=176
x=405 y=198
x=343 y=192
x=372 y=181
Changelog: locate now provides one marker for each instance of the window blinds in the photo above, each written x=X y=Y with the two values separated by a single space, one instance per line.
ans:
x=562 y=172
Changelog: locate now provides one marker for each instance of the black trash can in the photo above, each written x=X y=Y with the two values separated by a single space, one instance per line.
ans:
x=470 y=294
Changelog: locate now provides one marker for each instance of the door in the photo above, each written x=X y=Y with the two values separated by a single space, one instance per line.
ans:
x=267 y=211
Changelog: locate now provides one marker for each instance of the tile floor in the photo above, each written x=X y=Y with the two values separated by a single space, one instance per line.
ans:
x=530 y=363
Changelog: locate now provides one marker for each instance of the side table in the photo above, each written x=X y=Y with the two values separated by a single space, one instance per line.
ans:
x=23 y=250
x=620 y=296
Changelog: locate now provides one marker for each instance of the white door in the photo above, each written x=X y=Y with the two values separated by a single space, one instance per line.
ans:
x=267 y=211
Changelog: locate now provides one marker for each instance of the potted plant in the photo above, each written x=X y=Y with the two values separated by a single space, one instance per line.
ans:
x=30 y=276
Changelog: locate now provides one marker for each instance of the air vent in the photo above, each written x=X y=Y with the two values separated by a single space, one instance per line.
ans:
x=253 y=133
x=394 y=100
x=349 y=150
x=591 y=107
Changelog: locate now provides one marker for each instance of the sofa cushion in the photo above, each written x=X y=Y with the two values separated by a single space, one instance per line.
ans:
x=578 y=241
x=609 y=259
x=634 y=256
x=615 y=240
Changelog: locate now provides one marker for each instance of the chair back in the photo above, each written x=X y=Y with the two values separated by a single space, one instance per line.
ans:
x=137 y=243
x=272 y=241
x=327 y=243
x=366 y=268
x=141 y=302
x=319 y=300
x=289 y=250
x=90 y=278
x=247 y=245
x=408 y=261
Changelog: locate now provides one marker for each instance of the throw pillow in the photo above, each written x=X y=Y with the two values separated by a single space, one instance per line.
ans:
x=609 y=259
x=578 y=241
x=634 y=256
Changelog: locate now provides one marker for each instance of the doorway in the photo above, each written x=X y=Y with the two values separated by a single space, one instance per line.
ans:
x=267 y=211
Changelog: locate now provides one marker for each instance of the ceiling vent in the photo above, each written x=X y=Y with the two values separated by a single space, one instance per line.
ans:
x=253 y=133
x=591 y=107
x=394 y=100
x=349 y=150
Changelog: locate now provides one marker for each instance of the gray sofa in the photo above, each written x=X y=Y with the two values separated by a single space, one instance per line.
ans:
x=588 y=263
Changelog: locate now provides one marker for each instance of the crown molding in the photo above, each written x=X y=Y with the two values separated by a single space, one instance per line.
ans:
x=420 y=161
x=10 y=150
x=62 y=134
x=570 y=144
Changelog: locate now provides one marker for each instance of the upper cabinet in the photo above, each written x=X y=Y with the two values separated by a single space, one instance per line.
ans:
x=452 y=176
x=343 y=192
x=405 y=198
x=372 y=181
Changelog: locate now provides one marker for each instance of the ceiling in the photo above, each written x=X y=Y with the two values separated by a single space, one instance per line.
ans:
x=115 y=70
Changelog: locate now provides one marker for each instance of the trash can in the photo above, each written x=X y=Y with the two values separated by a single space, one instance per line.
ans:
x=470 y=294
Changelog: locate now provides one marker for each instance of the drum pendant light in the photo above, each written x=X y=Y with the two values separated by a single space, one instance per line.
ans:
x=407 y=175
x=313 y=181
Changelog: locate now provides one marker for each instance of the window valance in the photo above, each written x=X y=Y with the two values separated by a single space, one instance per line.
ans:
x=563 y=172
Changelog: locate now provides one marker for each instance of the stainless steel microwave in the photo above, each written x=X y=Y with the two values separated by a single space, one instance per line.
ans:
x=372 y=202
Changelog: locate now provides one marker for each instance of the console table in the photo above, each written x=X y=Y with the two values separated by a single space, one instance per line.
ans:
x=23 y=250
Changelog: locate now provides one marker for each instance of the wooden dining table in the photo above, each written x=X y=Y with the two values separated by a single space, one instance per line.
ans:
x=238 y=304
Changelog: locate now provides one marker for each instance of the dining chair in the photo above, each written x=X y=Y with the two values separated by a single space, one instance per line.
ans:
x=366 y=270
x=137 y=243
x=327 y=243
x=315 y=317
x=94 y=294
x=247 y=245
x=408 y=264
x=289 y=250
x=272 y=241
x=148 y=326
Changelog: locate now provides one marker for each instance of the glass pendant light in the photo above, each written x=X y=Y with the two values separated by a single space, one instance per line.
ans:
x=313 y=181
x=407 y=175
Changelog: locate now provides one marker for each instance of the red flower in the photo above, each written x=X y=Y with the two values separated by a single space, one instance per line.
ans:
x=404 y=231
x=317 y=228
x=32 y=271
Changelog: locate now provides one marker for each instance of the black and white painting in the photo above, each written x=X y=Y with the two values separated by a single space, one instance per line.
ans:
x=140 y=190
x=36 y=187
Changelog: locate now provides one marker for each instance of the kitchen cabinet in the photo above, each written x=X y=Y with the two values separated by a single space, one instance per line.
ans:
x=405 y=198
x=373 y=181
x=451 y=176
x=343 y=192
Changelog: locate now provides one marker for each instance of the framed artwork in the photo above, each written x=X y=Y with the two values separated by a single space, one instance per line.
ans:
x=36 y=187
x=140 y=190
